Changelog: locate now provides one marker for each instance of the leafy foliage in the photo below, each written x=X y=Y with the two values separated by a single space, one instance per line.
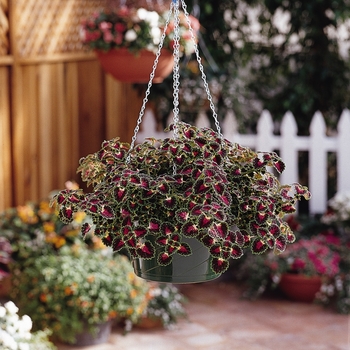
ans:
x=194 y=185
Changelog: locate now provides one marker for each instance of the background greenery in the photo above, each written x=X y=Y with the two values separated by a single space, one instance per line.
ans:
x=265 y=65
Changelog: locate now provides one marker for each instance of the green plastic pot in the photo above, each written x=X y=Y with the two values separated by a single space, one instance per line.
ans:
x=183 y=269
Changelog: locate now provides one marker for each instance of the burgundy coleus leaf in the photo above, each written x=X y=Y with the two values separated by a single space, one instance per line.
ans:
x=258 y=163
x=163 y=187
x=85 y=228
x=219 y=265
x=144 y=182
x=261 y=218
x=196 y=173
x=180 y=159
x=146 y=194
x=140 y=231
x=169 y=202
x=107 y=241
x=184 y=249
x=260 y=206
x=290 y=237
x=200 y=187
x=131 y=242
x=215 y=250
x=288 y=208
x=258 y=246
x=200 y=141
x=119 y=154
x=119 y=193
x=173 y=149
x=117 y=244
x=145 y=250
x=208 y=241
x=219 y=187
x=274 y=230
x=254 y=227
x=124 y=212
x=279 y=166
x=217 y=159
x=61 y=198
x=189 y=229
x=126 y=222
x=92 y=208
x=162 y=240
x=66 y=214
x=236 y=252
x=182 y=215
x=236 y=172
x=219 y=230
x=262 y=232
x=164 y=259
x=197 y=210
x=167 y=229
x=267 y=157
x=134 y=179
x=219 y=215
x=281 y=243
x=205 y=221
x=189 y=133
x=154 y=225
x=187 y=170
x=226 y=198
x=171 y=249
x=107 y=212
x=209 y=172
x=270 y=242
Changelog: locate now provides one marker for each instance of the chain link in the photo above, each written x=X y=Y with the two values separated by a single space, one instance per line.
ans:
x=203 y=76
x=148 y=90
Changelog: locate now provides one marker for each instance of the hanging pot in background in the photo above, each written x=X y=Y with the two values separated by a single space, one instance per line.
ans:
x=129 y=67
x=86 y=338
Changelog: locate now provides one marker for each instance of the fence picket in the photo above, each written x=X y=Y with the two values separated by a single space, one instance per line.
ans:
x=343 y=146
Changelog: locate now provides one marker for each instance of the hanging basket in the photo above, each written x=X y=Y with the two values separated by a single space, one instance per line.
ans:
x=189 y=269
x=128 y=67
x=184 y=205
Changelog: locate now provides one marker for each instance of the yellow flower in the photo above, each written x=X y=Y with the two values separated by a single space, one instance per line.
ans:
x=129 y=311
x=48 y=227
x=79 y=217
x=72 y=233
x=60 y=242
x=27 y=215
x=133 y=294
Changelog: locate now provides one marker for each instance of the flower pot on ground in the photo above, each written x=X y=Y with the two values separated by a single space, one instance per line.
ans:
x=197 y=185
x=70 y=292
x=126 y=41
x=300 y=287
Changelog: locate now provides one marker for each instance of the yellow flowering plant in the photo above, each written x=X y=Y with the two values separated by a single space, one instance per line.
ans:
x=67 y=292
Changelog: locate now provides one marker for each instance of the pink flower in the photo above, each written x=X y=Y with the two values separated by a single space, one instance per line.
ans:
x=107 y=37
x=298 y=264
x=104 y=26
x=120 y=27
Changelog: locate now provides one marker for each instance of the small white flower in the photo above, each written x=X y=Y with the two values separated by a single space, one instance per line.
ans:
x=142 y=13
x=11 y=307
x=130 y=35
x=2 y=311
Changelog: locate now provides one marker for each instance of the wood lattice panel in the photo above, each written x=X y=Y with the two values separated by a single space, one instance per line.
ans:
x=44 y=27
x=4 y=28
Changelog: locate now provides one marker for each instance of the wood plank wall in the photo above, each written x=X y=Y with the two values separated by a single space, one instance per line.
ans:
x=55 y=107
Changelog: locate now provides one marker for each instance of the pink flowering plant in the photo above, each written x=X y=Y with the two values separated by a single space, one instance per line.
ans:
x=308 y=256
x=135 y=29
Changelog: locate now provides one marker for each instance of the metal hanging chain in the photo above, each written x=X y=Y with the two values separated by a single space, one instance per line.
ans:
x=203 y=76
x=176 y=68
x=148 y=90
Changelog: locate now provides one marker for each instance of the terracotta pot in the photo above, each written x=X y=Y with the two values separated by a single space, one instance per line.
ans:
x=149 y=323
x=300 y=287
x=5 y=286
x=136 y=68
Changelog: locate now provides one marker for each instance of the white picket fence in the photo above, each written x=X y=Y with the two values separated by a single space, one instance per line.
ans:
x=288 y=144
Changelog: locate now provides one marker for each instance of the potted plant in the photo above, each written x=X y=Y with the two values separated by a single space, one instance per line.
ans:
x=76 y=296
x=195 y=193
x=126 y=40
x=15 y=331
x=164 y=308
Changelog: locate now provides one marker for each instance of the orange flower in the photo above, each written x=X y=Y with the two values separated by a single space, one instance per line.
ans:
x=133 y=293
x=129 y=311
x=68 y=290
x=60 y=242
x=43 y=298
x=91 y=278
x=112 y=314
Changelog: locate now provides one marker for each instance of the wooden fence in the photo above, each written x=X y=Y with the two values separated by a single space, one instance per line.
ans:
x=288 y=144
x=56 y=104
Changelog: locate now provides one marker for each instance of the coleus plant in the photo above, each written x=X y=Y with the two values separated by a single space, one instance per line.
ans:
x=146 y=199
